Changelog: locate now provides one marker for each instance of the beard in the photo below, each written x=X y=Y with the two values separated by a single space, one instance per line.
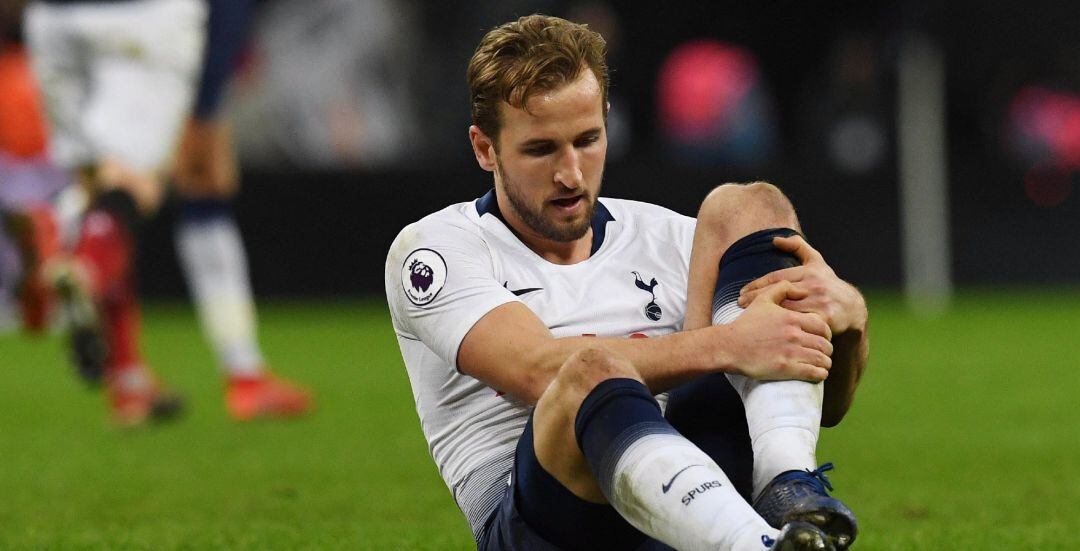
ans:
x=534 y=217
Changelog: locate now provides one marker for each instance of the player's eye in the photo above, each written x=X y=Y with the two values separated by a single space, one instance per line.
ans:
x=587 y=140
x=539 y=150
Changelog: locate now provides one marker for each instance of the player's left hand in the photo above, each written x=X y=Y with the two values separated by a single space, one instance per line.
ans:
x=835 y=300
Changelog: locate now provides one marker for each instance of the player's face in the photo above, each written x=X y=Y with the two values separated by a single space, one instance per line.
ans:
x=550 y=160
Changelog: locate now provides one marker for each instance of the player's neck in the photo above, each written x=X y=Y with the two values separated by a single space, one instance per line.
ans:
x=558 y=252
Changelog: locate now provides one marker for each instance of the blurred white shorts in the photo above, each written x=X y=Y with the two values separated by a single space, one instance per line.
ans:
x=118 y=78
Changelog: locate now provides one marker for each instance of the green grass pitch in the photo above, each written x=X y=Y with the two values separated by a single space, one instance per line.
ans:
x=964 y=435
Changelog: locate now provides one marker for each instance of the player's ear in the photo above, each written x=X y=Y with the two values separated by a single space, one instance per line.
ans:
x=483 y=147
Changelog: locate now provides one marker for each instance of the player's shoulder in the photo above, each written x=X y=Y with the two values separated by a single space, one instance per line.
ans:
x=456 y=221
x=650 y=227
x=640 y=213
x=461 y=215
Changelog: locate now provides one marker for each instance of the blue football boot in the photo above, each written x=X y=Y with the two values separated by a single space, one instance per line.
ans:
x=803 y=496
x=799 y=536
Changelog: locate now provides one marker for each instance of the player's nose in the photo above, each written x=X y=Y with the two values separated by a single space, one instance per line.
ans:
x=568 y=171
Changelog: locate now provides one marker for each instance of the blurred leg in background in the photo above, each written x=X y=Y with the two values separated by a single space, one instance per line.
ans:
x=117 y=78
x=208 y=240
x=29 y=232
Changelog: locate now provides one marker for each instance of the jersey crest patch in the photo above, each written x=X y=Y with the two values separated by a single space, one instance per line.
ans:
x=423 y=275
x=652 y=310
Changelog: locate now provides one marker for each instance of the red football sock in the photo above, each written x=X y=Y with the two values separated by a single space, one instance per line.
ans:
x=120 y=313
x=105 y=248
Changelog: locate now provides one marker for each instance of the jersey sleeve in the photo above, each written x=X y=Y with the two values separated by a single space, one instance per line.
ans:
x=440 y=280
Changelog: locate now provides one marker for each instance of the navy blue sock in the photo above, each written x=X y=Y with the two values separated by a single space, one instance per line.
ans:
x=613 y=416
x=194 y=211
x=748 y=259
x=559 y=516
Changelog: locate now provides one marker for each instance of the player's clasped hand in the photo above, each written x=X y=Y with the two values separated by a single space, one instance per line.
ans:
x=775 y=343
x=818 y=289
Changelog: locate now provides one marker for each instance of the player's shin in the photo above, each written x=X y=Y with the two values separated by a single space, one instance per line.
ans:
x=784 y=417
x=659 y=481
x=106 y=240
x=212 y=255
x=98 y=269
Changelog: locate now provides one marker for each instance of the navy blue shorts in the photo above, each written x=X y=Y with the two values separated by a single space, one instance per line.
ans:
x=539 y=514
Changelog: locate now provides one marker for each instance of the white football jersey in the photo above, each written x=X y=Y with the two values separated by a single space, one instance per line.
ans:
x=446 y=271
x=119 y=78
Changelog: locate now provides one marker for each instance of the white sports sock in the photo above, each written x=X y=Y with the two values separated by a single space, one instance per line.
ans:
x=215 y=266
x=700 y=508
x=784 y=417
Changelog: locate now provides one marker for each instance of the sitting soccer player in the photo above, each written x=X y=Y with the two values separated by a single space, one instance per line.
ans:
x=512 y=313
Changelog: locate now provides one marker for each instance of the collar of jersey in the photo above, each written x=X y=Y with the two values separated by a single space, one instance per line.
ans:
x=601 y=216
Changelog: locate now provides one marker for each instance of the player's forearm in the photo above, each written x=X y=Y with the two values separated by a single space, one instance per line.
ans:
x=510 y=350
x=850 y=353
x=664 y=362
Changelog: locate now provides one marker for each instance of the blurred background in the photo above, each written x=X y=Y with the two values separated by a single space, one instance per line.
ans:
x=351 y=120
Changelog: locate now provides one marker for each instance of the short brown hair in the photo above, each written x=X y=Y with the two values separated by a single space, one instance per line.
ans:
x=536 y=53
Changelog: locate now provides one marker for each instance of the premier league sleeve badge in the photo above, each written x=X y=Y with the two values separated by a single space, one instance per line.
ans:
x=423 y=275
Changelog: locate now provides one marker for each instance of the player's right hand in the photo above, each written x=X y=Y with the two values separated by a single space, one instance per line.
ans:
x=774 y=343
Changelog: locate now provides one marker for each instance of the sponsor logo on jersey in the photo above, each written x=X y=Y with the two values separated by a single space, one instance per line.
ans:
x=423 y=275
x=652 y=310
x=701 y=489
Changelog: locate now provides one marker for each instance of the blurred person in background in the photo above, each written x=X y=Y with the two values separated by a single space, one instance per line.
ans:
x=208 y=240
x=118 y=78
x=1038 y=124
x=714 y=107
x=27 y=181
x=1041 y=135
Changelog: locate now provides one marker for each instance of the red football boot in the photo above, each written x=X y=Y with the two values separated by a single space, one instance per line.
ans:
x=136 y=397
x=265 y=396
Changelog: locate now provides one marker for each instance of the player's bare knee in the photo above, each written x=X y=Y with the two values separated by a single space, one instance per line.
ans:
x=110 y=174
x=732 y=211
x=579 y=374
x=591 y=366
x=553 y=419
x=585 y=369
